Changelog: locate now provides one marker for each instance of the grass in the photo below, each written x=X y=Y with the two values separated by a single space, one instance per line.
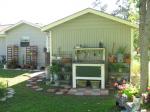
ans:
x=11 y=73
x=27 y=100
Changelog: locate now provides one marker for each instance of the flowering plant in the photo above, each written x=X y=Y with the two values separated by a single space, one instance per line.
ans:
x=126 y=89
x=148 y=89
x=146 y=95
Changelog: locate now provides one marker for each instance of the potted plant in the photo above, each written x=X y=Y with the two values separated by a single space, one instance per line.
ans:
x=127 y=58
x=94 y=84
x=111 y=58
x=54 y=70
x=81 y=83
x=120 y=54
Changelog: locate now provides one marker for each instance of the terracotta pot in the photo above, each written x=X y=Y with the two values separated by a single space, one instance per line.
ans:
x=111 y=59
x=128 y=60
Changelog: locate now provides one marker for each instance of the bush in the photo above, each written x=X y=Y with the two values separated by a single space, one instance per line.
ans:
x=3 y=87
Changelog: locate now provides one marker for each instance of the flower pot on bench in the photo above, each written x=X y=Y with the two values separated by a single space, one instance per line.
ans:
x=81 y=83
x=95 y=84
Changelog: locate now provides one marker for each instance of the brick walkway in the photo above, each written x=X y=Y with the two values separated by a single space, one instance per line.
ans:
x=65 y=89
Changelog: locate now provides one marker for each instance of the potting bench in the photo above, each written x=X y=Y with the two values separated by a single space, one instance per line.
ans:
x=89 y=64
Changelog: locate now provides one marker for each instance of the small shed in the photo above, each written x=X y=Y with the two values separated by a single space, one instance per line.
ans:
x=87 y=29
x=24 y=43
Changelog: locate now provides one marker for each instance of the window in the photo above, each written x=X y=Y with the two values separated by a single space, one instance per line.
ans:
x=25 y=41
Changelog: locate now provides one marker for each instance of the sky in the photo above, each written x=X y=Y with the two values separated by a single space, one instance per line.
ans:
x=42 y=11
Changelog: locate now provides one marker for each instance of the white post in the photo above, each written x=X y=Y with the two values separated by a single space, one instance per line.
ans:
x=149 y=74
x=103 y=76
x=50 y=41
x=103 y=54
x=47 y=41
x=74 y=76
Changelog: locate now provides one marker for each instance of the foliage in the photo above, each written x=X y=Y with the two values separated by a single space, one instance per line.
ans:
x=127 y=89
x=121 y=50
x=114 y=67
x=99 y=5
x=122 y=10
x=146 y=98
x=55 y=68
x=3 y=87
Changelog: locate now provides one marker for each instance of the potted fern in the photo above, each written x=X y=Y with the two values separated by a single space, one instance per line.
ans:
x=120 y=54
x=54 y=70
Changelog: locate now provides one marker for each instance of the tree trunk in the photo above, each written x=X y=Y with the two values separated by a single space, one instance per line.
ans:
x=144 y=34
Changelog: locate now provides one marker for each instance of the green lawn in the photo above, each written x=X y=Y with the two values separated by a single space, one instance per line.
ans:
x=27 y=100
x=11 y=73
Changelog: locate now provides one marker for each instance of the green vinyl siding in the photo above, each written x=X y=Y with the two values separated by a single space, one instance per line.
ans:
x=88 y=30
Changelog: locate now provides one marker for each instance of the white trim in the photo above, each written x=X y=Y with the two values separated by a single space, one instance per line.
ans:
x=50 y=42
x=89 y=78
x=19 y=23
x=101 y=78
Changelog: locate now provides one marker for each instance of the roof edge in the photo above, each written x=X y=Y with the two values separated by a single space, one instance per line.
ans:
x=88 y=10
x=19 y=23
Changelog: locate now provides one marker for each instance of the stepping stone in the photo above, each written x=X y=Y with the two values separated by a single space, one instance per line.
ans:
x=9 y=96
x=39 y=89
x=28 y=85
x=59 y=93
x=64 y=90
x=33 y=82
x=51 y=90
x=10 y=89
x=95 y=93
x=79 y=93
x=29 y=80
x=96 y=90
x=67 y=87
x=39 y=80
x=3 y=99
x=35 y=87
x=104 y=92
x=87 y=92
x=81 y=90
x=73 y=90
x=10 y=92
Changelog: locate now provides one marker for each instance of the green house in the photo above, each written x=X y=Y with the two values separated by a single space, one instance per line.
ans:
x=88 y=28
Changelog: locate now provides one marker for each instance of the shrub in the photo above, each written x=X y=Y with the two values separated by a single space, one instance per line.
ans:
x=3 y=87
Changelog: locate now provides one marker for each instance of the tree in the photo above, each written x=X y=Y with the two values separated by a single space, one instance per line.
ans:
x=99 y=5
x=144 y=33
x=122 y=10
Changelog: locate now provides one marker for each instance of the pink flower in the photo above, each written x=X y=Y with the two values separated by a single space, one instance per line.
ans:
x=115 y=84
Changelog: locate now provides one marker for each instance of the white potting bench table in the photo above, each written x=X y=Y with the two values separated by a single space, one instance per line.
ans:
x=97 y=63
